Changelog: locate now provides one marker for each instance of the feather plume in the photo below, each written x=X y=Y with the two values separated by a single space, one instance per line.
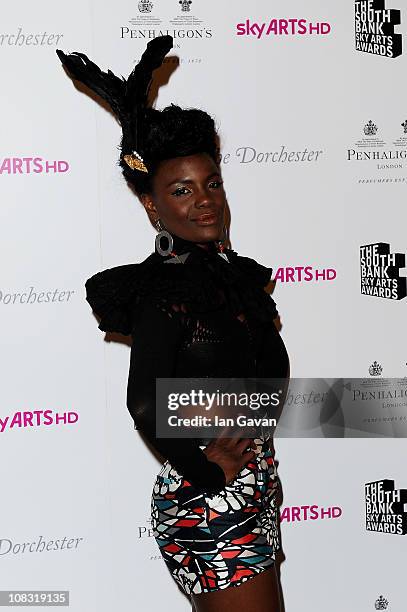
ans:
x=139 y=82
x=126 y=97
x=106 y=84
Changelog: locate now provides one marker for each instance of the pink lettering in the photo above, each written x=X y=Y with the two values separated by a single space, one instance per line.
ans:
x=17 y=162
x=295 y=513
x=63 y=166
x=3 y=423
x=28 y=419
x=308 y=273
x=305 y=513
x=16 y=420
x=5 y=166
x=279 y=27
x=48 y=417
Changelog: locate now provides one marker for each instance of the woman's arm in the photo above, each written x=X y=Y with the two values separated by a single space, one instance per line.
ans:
x=156 y=335
x=272 y=365
x=272 y=358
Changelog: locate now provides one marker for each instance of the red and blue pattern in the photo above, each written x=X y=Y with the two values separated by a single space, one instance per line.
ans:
x=218 y=541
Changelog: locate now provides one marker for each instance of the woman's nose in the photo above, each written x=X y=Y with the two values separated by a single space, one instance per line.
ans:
x=203 y=198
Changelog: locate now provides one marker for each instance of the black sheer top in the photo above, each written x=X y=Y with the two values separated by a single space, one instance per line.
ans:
x=197 y=316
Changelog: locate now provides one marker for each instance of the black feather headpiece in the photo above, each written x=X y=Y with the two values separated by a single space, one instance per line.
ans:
x=126 y=97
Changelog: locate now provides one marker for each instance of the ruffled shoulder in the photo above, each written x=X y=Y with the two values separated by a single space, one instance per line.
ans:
x=112 y=292
x=260 y=275
x=259 y=303
x=116 y=294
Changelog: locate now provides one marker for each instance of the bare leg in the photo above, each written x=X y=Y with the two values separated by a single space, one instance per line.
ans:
x=258 y=594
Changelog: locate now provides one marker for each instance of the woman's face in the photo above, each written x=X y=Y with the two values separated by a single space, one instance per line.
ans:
x=188 y=197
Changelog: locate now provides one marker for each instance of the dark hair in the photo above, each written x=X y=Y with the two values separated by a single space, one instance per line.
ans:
x=168 y=133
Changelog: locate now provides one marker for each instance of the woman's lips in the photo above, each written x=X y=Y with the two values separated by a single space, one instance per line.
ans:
x=207 y=219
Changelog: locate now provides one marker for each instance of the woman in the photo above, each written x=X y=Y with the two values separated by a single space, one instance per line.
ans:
x=194 y=308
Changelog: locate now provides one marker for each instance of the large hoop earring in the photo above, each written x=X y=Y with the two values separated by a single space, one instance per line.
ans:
x=163 y=233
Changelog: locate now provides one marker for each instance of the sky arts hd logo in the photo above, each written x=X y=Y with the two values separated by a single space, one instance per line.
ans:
x=282 y=27
x=32 y=165
x=374 y=28
x=300 y=274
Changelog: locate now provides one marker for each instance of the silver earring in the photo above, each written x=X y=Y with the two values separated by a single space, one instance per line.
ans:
x=224 y=238
x=162 y=233
x=220 y=244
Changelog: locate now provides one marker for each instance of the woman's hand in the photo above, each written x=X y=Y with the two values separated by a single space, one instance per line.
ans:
x=230 y=454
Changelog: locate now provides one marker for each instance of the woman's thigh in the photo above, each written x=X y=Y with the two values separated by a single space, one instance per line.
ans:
x=258 y=594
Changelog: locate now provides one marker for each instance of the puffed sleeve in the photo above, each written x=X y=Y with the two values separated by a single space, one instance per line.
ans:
x=156 y=336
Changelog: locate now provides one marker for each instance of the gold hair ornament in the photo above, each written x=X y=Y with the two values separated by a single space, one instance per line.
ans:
x=135 y=161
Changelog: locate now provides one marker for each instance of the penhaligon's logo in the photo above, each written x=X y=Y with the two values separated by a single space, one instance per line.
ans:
x=185 y=5
x=381 y=603
x=175 y=17
x=375 y=369
x=370 y=129
x=145 y=6
x=374 y=28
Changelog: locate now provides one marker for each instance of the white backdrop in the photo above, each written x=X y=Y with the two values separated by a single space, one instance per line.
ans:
x=87 y=477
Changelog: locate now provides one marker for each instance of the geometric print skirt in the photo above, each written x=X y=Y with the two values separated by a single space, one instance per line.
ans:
x=212 y=542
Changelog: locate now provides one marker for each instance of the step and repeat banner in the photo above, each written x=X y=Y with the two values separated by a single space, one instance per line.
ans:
x=311 y=105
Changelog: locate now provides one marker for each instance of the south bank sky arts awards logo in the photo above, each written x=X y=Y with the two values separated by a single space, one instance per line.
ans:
x=386 y=507
x=374 y=28
x=380 y=272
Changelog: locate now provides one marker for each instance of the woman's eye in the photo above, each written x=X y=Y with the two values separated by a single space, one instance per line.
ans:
x=183 y=190
x=179 y=191
x=216 y=184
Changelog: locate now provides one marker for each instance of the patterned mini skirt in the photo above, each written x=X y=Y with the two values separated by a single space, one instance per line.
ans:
x=212 y=542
